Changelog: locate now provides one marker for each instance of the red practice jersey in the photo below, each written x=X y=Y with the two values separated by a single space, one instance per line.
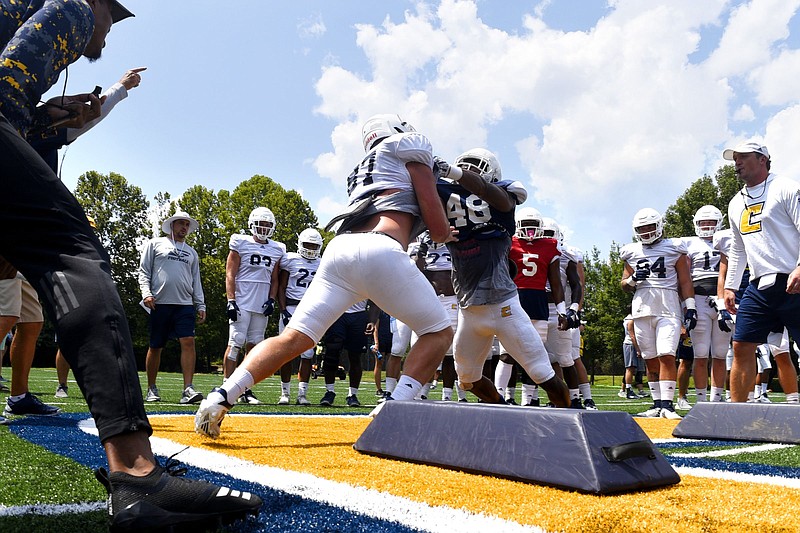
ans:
x=533 y=259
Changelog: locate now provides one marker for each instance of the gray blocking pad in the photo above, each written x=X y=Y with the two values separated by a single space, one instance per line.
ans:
x=590 y=451
x=758 y=422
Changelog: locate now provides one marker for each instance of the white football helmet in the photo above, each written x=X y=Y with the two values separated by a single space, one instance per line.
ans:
x=379 y=127
x=261 y=223
x=309 y=243
x=482 y=162
x=529 y=223
x=647 y=217
x=707 y=212
x=551 y=230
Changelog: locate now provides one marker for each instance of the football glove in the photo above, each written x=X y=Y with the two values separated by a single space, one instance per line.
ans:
x=641 y=273
x=690 y=319
x=287 y=316
x=724 y=320
x=268 y=307
x=232 y=311
x=573 y=319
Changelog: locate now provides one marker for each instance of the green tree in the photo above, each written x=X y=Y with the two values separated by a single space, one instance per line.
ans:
x=120 y=210
x=605 y=305
x=679 y=217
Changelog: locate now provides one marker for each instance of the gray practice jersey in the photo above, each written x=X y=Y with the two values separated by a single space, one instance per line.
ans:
x=170 y=272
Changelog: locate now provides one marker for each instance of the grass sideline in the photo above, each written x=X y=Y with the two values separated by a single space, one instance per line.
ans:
x=34 y=476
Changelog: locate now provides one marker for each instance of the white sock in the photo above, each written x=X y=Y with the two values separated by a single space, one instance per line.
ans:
x=751 y=396
x=793 y=397
x=655 y=389
x=757 y=391
x=236 y=384
x=717 y=393
x=586 y=391
x=424 y=391
x=511 y=393
x=330 y=387
x=701 y=395
x=529 y=392
x=407 y=388
x=352 y=391
x=764 y=388
x=501 y=375
x=667 y=390
x=390 y=385
x=447 y=394
x=286 y=388
x=461 y=393
x=574 y=393
x=302 y=388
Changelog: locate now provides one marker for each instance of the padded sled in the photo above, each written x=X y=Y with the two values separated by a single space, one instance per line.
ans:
x=599 y=452
x=758 y=422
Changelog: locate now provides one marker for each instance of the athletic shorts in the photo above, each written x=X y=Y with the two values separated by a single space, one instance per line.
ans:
x=685 y=352
x=249 y=329
x=763 y=311
x=534 y=302
x=170 y=321
x=308 y=354
x=629 y=356
x=349 y=332
x=19 y=299
x=657 y=335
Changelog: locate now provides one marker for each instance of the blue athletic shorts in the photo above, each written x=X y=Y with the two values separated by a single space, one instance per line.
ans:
x=168 y=321
x=769 y=310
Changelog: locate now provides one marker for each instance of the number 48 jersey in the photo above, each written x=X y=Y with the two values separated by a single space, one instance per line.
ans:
x=658 y=294
x=301 y=272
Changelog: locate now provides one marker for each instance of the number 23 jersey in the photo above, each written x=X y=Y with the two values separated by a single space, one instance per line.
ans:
x=301 y=272
x=658 y=294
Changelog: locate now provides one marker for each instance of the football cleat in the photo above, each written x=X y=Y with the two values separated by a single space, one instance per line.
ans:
x=211 y=412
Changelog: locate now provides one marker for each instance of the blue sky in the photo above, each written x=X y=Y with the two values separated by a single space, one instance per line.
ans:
x=599 y=107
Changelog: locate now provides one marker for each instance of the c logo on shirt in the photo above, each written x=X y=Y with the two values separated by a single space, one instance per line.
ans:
x=505 y=311
x=748 y=222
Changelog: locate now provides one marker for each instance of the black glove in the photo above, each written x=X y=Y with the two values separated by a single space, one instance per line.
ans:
x=268 y=307
x=690 y=319
x=724 y=320
x=573 y=319
x=232 y=311
x=287 y=316
x=423 y=249
x=642 y=272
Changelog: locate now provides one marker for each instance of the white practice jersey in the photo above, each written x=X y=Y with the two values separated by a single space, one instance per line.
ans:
x=722 y=240
x=658 y=294
x=384 y=167
x=766 y=230
x=301 y=272
x=256 y=263
x=438 y=259
x=703 y=257
x=568 y=254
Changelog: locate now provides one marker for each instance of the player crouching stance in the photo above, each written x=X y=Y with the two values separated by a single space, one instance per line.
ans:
x=390 y=190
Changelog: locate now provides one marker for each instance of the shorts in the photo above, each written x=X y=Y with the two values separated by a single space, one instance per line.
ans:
x=685 y=352
x=170 y=321
x=348 y=331
x=534 y=302
x=19 y=299
x=308 y=354
x=248 y=329
x=657 y=335
x=629 y=356
x=763 y=311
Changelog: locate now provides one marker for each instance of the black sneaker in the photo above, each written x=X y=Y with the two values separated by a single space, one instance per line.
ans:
x=511 y=401
x=576 y=404
x=328 y=398
x=630 y=395
x=161 y=500
x=590 y=405
x=29 y=405
x=533 y=403
x=352 y=401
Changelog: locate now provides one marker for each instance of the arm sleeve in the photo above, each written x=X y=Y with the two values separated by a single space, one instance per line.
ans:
x=114 y=95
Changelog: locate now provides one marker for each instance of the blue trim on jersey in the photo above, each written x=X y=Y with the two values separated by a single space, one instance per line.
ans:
x=471 y=220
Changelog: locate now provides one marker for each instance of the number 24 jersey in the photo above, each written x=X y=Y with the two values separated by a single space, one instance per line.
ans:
x=658 y=294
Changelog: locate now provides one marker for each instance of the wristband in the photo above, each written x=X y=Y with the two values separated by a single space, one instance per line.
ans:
x=631 y=281
x=455 y=173
x=689 y=303
x=574 y=306
x=561 y=307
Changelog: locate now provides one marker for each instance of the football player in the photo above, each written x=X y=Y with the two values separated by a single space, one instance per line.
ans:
x=348 y=332
x=567 y=332
x=402 y=337
x=251 y=284
x=480 y=205
x=297 y=270
x=392 y=192
x=536 y=261
x=655 y=269
x=707 y=338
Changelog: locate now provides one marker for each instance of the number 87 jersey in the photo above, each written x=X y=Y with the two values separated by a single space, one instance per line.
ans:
x=660 y=258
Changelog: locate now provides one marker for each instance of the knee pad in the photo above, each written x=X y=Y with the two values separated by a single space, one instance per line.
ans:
x=233 y=353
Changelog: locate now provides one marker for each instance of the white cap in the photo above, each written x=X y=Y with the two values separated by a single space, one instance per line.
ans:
x=746 y=148
x=166 y=226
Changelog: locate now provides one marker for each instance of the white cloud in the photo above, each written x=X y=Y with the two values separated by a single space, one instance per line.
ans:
x=617 y=117
x=312 y=27
x=744 y=113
